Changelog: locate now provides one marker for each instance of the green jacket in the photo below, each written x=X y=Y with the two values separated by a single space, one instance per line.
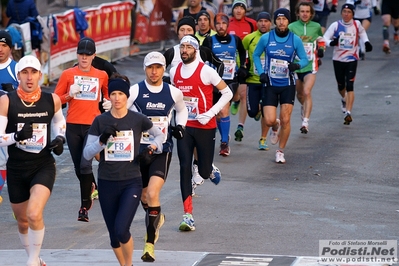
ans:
x=309 y=33
x=249 y=42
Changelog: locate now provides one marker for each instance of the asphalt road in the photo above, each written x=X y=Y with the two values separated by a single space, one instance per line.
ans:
x=340 y=182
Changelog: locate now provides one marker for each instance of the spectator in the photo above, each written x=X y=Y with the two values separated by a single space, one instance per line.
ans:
x=19 y=10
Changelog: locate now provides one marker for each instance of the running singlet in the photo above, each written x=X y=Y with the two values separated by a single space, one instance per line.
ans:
x=278 y=57
x=197 y=96
x=41 y=113
x=158 y=110
x=227 y=53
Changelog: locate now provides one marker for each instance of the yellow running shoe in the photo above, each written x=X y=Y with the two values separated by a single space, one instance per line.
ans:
x=148 y=253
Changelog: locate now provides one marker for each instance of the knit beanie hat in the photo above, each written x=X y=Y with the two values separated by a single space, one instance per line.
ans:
x=282 y=12
x=118 y=84
x=186 y=20
x=350 y=6
x=242 y=3
x=5 y=37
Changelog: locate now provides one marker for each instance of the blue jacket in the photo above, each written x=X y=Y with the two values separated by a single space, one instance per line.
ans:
x=19 y=10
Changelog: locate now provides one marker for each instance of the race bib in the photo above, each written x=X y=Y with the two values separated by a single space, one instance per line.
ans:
x=319 y=6
x=278 y=68
x=89 y=88
x=347 y=41
x=38 y=140
x=229 y=69
x=192 y=107
x=120 y=147
x=158 y=121
x=309 y=50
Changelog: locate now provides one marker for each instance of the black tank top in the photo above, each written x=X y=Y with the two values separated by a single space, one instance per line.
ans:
x=41 y=111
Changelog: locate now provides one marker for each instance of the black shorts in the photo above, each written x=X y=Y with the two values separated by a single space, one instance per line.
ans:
x=21 y=179
x=159 y=166
x=301 y=76
x=273 y=95
x=390 y=7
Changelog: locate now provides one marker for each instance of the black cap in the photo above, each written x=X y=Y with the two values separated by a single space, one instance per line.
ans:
x=87 y=46
x=5 y=37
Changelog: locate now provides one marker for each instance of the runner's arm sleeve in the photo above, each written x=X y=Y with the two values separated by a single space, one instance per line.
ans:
x=242 y=53
x=169 y=54
x=158 y=138
x=180 y=107
x=133 y=91
x=58 y=124
x=362 y=32
x=5 y=139
x=259 y=50
x=224 y=99
x=92 y=147
x=62 y=88
x=329 y=34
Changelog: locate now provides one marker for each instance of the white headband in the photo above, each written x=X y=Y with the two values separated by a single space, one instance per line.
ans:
x=191 y=40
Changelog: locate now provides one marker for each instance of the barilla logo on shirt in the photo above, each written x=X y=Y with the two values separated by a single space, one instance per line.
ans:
x=157 y=106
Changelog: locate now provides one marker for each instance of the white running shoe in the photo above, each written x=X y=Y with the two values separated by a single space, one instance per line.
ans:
x=197 y=179
x=274 y=136
x=305 y=127
x=280 y=157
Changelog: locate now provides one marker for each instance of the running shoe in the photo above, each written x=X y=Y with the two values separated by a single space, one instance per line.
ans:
x=258 y=116
x=234 y=108
x=343 y=106
x=239 y=134
x=83 y=215
x=197 y=179
x=216 y=175
x=347 y=119
x=188 y=223
x=395 y=38
x=148 y=253
x=263 y=145
x=280 y=157
x=94 y=192
x=224 y=149
x=386 y=49
x=274 y=136
x=305 y=127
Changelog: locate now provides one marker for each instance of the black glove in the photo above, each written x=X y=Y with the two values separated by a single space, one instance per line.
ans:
x=320 y=53
x=293 y=66
x=357 y=2
x=145 y=156
x=376 y=11
x=178 y=131
x=264 y=78
x=108 y=132
x=368 y=46
x=315 y=2
x=242 y=73
x=7 y=87
x=26 y=132
x=57 y=145
x=333 y=9
x=166 y=79
x=334 y=42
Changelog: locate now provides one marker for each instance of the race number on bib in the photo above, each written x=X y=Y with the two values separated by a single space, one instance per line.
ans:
x=38 y=140
x=120 y=147
x=278 y=68
x=89 y=88
x=157 y=121
x=192 y=107
x=229 y=69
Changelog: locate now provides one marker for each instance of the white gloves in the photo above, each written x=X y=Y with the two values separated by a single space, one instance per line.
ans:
x=107 y=105
x=73 y=90
x=204 y=118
